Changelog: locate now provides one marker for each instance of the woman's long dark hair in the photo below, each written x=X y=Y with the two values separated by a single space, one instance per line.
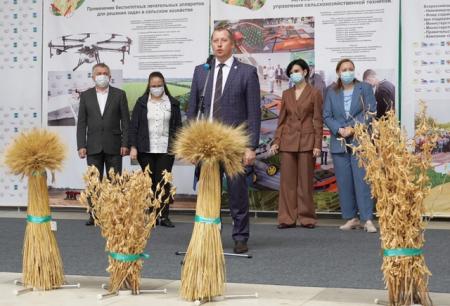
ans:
x=339 y=84
x=157 y=74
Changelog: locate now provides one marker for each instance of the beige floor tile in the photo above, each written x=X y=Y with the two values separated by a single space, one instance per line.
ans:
x=269 y=295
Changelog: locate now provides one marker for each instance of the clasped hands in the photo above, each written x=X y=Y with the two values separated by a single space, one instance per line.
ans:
x=346 y=131
x=275 y=148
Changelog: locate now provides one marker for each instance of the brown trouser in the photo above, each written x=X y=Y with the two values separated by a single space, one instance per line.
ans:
x=296 y=188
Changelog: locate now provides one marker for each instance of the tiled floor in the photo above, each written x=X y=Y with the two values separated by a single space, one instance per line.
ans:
x=268 y=295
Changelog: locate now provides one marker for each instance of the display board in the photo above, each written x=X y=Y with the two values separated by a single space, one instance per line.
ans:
x=20 y=84
x=426 y=77
x=271 y=33
x=133 y=38
x=49 y=48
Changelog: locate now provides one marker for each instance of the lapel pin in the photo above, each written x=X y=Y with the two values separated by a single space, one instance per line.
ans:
x=235 y=67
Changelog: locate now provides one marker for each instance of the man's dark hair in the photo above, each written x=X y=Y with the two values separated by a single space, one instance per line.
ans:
x=368 y=73
x=101 y=65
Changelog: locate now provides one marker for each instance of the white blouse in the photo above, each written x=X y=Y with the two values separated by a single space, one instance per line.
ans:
x=158 y=116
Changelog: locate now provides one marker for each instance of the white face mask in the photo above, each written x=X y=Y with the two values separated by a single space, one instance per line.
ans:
x=102 y=80
x=157 y=91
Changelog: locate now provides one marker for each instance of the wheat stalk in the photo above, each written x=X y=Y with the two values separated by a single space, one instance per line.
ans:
x=30 y=155
x=126 y=209
x=212 y=144
x=399 y=184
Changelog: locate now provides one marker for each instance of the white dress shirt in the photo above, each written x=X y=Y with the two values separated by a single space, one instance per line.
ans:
x=158 y=116
x=225 y=71
x=102 y=96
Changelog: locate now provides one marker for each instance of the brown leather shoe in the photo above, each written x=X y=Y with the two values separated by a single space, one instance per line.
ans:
x=284 y=225
x=240 y=247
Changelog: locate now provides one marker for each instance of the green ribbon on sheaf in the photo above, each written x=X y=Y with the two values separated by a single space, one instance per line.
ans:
x=39 y=173
x=39 y=220
x=201 y=219
x=128 y=257
x=402 y=252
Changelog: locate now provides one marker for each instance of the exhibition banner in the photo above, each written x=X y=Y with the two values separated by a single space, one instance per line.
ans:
x=271 y=33
x=20 y=85
x=426 y=77
x=134 y=38
x=49 y=48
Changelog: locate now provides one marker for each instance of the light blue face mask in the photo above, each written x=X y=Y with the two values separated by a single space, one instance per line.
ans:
x=347 y=77
x=296 y=77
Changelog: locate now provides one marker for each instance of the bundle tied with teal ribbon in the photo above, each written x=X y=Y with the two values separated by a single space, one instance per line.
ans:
x=208 y=144
x=30 y=155
x=128 y=257
x=126 y=208
x=402 y=252
x=397 y=172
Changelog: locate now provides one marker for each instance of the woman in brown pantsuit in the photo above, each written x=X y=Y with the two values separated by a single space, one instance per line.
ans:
x=298 y=138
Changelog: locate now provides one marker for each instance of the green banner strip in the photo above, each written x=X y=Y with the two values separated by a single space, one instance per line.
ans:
x=128 y=257
x=403 y=252
x=201 y=219
x=39 y=220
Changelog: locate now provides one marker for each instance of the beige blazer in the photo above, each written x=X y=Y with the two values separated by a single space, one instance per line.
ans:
x=300 y=124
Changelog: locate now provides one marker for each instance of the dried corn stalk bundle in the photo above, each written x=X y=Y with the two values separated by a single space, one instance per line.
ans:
x=211 y=144
x=30 y=155
x=400 y=183
x=126 y=209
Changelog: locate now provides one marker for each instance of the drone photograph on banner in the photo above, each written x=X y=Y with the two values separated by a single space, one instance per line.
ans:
x=90 y=47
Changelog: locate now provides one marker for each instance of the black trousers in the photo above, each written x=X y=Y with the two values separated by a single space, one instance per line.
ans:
x=102 y=159
x=158 y=162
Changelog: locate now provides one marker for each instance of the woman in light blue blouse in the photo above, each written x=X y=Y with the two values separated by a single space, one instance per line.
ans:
x=346 y=103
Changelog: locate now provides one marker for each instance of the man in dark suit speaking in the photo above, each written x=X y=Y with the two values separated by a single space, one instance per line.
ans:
x=102 y=128
x=232 y=96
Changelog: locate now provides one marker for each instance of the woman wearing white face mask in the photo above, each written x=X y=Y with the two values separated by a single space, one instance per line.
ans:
x=298 y=138
x=155 y=120
x=346 y=103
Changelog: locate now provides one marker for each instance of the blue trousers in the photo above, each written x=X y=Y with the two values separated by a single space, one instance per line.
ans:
x=354 y=192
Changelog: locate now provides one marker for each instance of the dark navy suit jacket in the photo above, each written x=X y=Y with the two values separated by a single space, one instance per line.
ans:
x=240 y=101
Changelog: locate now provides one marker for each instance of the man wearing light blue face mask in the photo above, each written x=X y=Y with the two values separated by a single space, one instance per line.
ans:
x=346 y=103
x=102 y=127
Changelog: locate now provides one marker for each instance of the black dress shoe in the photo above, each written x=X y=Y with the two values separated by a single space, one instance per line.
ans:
x=240 y=247
x=310 y=226
x=90 y=221
x=284 y=225
x=166 y=222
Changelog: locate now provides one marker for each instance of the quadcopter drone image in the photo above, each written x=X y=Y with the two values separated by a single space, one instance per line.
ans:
x=90 y=45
